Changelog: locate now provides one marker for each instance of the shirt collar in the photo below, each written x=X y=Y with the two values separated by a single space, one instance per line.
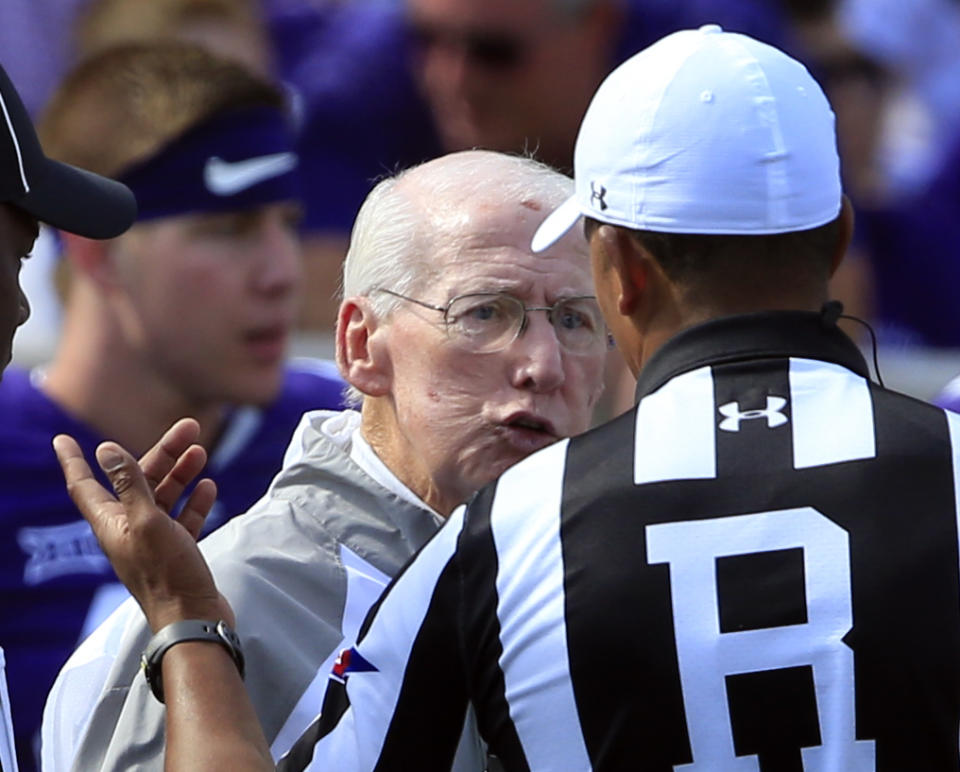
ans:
x=752 y=336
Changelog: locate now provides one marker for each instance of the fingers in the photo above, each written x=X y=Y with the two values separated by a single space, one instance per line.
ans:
x=88 y=495
x=157 y=462
x=169 y=490
x=128 y=481
x=198 y=506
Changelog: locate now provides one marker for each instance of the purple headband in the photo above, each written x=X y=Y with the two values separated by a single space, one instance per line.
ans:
x=235 y=161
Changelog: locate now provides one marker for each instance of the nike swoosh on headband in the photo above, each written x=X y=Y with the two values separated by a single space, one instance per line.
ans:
x=225 y=178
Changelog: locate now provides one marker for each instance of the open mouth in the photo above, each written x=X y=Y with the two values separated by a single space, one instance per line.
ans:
x=267 y=342
x=528 y=433
x=529 y=423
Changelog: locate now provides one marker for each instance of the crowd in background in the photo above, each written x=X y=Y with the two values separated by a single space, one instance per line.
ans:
x=378 y=85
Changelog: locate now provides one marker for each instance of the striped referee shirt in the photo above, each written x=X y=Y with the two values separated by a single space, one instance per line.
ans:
x=755 y=569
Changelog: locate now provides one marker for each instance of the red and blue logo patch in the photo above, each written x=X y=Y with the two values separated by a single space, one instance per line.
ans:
x=350 y=661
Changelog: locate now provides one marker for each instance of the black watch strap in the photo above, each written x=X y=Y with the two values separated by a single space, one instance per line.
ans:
x=179 y=632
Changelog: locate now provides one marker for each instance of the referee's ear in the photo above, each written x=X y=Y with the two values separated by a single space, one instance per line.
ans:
x=362 y=361
x=627 y=265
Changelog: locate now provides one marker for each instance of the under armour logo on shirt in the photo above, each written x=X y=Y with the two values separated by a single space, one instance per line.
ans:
x=734 y=416
x=597 y=193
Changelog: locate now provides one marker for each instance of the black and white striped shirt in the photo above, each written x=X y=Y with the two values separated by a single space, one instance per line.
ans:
x=755 y=569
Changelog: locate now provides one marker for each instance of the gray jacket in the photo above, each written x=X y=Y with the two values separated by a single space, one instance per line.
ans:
x=300 y=570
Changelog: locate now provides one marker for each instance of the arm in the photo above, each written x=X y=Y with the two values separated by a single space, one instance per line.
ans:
x=210 y=721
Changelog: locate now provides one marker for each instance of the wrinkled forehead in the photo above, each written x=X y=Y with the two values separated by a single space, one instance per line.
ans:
x=486 y=247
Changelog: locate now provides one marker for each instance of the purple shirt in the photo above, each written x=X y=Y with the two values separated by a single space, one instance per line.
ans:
x=53 y=576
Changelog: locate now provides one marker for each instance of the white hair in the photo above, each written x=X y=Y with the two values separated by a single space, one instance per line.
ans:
x=408 y=220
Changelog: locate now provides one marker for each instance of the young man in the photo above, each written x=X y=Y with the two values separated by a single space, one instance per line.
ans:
x=186 y=314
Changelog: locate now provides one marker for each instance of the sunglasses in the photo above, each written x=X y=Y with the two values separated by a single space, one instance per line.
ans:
x=489 y=49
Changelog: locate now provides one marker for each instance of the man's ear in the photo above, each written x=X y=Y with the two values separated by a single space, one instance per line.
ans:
x=91 y=258
x=627 y=261
x=362 y=356
x=844 y=236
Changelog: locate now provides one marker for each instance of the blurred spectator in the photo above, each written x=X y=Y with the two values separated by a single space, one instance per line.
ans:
x=886 y=68
x=232 y=29
x=919 y=41
x=363 y=121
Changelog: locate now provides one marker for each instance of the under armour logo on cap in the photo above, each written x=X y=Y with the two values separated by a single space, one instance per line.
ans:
x=597 y=194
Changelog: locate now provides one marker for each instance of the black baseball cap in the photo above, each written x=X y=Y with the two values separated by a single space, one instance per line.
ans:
x=58 y=194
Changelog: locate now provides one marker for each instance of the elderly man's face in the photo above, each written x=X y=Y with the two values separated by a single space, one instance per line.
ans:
x=17 y=234
x=469 y=416
x=507 y=75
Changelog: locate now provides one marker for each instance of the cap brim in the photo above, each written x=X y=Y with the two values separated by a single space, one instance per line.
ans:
x=558 y=222
x=79 y=201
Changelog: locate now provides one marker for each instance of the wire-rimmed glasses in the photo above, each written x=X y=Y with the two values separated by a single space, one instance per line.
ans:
x=485 y=322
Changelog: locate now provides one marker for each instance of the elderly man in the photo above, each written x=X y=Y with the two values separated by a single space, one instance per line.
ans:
x=469 y=353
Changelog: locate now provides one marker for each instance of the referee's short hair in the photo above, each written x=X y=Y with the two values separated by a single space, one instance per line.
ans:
x=707 y=263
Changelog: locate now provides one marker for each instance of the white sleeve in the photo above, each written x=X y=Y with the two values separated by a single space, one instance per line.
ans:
x=8 y=755
x=78 y=689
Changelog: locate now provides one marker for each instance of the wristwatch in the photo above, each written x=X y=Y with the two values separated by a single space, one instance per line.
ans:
x=180 y=632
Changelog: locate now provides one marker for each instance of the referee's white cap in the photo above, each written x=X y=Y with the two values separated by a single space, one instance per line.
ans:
x=707 y=132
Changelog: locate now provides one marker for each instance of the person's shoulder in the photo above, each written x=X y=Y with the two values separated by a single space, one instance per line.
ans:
x=18 y=392
x=257 y=437
x=30 y=422
x=907 y=424
x=311 y=384
x=277 y=562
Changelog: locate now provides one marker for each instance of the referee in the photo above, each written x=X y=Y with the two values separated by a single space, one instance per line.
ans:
x=754 y=569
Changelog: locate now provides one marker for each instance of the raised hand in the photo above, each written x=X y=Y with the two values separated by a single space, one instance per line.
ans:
x=154 y=555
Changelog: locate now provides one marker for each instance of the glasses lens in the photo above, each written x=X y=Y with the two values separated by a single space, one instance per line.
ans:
x=484 y=322
x=579 y=324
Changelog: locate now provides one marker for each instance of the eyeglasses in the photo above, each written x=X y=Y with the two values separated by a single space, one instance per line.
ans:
x=485 y=48
x=485 y=322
